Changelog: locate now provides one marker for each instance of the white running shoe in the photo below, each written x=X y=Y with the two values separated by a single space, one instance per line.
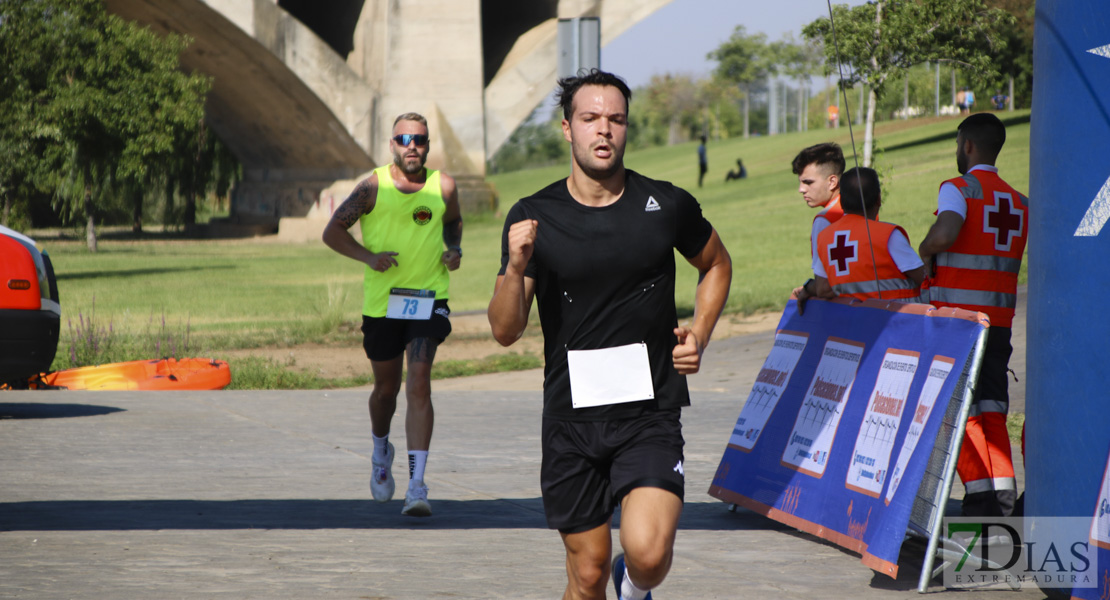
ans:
x=416 y=501
x=382 y=484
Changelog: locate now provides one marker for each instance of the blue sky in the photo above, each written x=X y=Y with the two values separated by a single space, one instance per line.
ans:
x=676 y=38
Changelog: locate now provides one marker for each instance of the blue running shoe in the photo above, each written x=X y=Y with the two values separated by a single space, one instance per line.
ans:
x=618 y=576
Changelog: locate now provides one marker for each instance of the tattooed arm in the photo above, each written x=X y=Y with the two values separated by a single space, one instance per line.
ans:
x=360 y=202
x=452 y=223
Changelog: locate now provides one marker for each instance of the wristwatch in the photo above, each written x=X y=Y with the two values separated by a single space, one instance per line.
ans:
x=456 y=249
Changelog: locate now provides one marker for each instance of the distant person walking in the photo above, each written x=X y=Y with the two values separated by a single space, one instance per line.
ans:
x=596 y=251
x=999 y=100
x=408 y=215
x=703 y=161
x=973 y=253
x=966 y=100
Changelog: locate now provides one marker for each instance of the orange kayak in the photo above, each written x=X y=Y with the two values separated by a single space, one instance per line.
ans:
x=164 y=374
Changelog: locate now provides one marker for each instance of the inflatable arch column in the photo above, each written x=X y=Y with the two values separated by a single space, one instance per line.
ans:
x=1068 y=327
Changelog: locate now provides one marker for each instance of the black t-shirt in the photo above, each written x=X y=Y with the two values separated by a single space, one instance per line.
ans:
x=605 y=278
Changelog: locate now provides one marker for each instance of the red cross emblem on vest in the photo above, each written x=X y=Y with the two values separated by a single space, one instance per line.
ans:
x=842 y=252
x=1003 y=219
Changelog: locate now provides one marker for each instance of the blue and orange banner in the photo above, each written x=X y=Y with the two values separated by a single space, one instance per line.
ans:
x=1098 y=545
x=837 y=430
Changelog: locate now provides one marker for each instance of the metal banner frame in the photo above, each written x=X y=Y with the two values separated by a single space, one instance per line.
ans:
x=927 y=514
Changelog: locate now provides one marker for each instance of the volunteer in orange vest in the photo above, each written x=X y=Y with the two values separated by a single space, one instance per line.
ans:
x=973 y=253
x=818 y=169
x=862 y=257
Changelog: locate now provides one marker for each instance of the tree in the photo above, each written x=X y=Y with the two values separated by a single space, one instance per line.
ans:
x=29 y=146
x=879 y=40
x=719 y=104
x=745 y=61
x=799 y=61
x=108 y=107
x=1017 y=60
x=672 y=101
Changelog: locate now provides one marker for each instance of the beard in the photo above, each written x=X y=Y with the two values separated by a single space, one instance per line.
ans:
x=410 y=165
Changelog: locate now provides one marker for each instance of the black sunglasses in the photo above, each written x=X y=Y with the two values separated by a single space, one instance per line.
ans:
x=405 y=139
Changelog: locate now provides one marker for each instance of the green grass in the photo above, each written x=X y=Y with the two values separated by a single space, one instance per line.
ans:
x=229 y=294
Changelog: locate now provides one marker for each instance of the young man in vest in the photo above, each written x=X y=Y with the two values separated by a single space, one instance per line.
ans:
x=862 y=257
x=973 y=253
x=411 y=232
x=596 y=250
x=818 y=169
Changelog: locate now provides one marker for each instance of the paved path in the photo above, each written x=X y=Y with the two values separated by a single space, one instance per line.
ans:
x=264 y=495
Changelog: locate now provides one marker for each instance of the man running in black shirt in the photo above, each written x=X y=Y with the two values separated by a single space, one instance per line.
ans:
x=597 y=252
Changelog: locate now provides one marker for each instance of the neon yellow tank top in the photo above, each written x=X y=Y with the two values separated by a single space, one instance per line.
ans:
x=412 y=226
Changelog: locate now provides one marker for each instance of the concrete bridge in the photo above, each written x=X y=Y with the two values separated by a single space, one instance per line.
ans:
x=305 y=92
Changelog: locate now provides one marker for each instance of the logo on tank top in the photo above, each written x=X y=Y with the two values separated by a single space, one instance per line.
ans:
x=652 y=205
x=422 y=215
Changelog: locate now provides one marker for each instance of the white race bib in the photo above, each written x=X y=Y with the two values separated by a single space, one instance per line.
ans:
x=410 y=304
x=610 y=376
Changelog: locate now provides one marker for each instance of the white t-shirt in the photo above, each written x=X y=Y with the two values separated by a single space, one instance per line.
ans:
x=904 y=256
x=820 y=222
x=819 y=225
x=949 y=197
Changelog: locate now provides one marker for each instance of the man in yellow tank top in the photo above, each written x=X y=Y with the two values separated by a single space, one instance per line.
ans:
x=411 y=234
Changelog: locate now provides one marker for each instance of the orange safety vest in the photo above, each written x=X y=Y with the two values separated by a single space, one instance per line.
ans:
x=979 y=271
x=848 y=261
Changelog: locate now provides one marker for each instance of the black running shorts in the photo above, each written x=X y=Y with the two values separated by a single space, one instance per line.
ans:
x=589 y=466
x=386 y=339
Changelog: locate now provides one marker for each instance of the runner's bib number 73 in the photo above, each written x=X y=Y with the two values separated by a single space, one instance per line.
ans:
x=409 y=304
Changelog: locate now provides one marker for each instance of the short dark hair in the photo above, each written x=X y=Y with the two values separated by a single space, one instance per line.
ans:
x=826 y=155
x=411 y=116
x=986 y=131
x=859 y=190
x=568 y=86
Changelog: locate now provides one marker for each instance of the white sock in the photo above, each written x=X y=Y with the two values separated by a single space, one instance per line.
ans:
x=417 y=460
x=381 y=445
x=629 y=591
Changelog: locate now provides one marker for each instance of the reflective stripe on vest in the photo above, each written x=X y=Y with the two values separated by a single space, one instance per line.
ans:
x=884 y=285
x=979 y=262
x=977 y=298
